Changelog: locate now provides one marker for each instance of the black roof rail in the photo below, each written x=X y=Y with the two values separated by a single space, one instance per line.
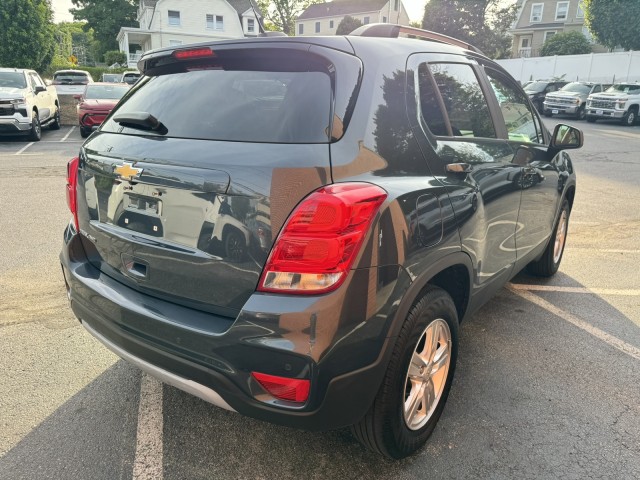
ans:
x=390 y=30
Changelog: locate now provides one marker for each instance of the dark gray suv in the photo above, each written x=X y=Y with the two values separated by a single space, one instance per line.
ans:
x=293 y=228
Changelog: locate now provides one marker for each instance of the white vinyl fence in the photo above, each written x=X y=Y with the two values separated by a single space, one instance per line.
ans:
x=594 y=67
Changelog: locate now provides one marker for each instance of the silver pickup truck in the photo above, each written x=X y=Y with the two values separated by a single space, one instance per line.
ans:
x=571 y=99
x=26 y=104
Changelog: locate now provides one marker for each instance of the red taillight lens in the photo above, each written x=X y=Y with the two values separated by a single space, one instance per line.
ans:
x=321 y=239
x=72 y=183
x=291 y=389
x=193 y=53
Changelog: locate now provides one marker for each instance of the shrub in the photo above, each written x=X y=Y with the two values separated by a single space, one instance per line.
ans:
x=568 y=43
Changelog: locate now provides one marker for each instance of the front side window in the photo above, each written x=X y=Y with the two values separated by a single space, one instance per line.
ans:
x=536 y=12
x=174 y=18
x=522 y=125
x=466 y=113
x=562 y=10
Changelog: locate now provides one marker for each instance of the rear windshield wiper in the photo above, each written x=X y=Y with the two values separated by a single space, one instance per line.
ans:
x=141 y=121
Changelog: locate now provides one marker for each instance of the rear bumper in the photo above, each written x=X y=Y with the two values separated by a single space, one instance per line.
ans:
x=212 y=357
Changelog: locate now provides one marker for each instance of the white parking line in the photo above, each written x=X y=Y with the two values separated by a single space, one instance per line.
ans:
x=609 y=339
x=628 y=292
x=148 y=462
x=68 y=133
x=604 y=250
x=24 y=148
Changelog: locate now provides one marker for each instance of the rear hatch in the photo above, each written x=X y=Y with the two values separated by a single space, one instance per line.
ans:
x=186 y=185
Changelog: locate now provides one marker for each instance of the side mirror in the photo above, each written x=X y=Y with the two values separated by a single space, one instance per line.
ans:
x=566 y=137
x=48 y=82
x=40 y=89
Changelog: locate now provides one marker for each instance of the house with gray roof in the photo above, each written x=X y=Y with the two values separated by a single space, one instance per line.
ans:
x=538 y=20
x=165 y=23
x=324 y=18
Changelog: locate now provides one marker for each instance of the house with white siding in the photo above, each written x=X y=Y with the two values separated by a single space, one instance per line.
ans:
x=165 y=23
x=324 y=18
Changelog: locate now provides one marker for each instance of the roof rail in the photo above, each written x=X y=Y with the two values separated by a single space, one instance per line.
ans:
x=389 y=30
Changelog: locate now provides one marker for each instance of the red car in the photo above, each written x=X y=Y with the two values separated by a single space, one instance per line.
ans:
x=96 y=103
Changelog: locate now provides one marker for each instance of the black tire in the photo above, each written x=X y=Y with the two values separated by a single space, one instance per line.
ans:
x=581 y=114
x=84 y=133
x=591 y=119
x=55 y=123
x=384 y=429
x=235 y=247
x=549 y=263
x=36 y=129
x=630 y=117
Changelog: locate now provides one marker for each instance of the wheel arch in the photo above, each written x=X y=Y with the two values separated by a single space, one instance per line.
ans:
x=452 y=273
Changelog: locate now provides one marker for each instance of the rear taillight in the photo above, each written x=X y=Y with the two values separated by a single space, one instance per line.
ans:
x=72 y=184
x=284 y=388
x=321 y=239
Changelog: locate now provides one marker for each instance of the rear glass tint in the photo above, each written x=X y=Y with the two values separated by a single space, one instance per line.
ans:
x=70 y=78
x=105 y=92
x=239 y=104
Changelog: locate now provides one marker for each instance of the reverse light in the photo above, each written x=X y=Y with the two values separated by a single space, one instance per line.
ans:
x=193 y=53
x=321 y=239
x=72 y=184
x=284 y=388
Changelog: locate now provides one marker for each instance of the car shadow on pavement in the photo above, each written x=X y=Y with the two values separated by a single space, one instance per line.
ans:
x=533 y=397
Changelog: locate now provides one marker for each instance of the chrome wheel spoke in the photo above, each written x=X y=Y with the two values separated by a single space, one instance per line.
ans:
x=412 y=405
x=441 y=359
x=416 y=366
x=429 y=395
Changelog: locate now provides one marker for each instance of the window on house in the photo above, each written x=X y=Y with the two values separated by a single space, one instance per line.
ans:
x=366 y=20
x=330 y=23
x=210 y=22
x=301 y=29
x=219 y=22
x=562 y=10
x=317 y=27
x=395 y=5
x=580 y=12
x=536 y=12
x=175 y=43
x=174 y=18
x=548 y=35
x=251 y=25
x=384 y=19
x=524 y=43
x=587 y=34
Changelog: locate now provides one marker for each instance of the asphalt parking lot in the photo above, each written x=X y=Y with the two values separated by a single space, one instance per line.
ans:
x=547 y=383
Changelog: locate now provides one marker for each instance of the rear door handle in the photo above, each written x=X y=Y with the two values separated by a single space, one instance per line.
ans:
x=458 y=168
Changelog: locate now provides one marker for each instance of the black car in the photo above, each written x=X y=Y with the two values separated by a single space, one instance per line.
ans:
x=387 y=187
x=538 y=90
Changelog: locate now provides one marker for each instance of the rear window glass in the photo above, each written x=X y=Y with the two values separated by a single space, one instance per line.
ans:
x=70 y=78
x=235 y=105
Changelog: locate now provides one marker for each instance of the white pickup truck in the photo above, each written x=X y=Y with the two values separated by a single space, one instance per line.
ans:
x=26 y=104
x=620 y=101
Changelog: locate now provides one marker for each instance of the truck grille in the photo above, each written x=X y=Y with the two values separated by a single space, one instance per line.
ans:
x=6 y=110
x=561 y=101
x=601 y=103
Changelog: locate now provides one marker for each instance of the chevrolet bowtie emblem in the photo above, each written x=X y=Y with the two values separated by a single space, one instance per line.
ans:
x=127 y=171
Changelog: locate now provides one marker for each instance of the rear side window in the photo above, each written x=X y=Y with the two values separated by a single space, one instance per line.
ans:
x=461 y=101
x=248 y=101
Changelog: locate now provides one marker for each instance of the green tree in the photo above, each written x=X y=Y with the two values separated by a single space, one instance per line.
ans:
x=568 y=43
x=348 y=25
x=614 y=23
x=26 y=34
x=105 y=18
x=283 y=13
x=482 y=23
x=115 y=56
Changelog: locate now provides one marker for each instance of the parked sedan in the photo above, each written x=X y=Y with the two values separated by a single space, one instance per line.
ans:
x=96 y=103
